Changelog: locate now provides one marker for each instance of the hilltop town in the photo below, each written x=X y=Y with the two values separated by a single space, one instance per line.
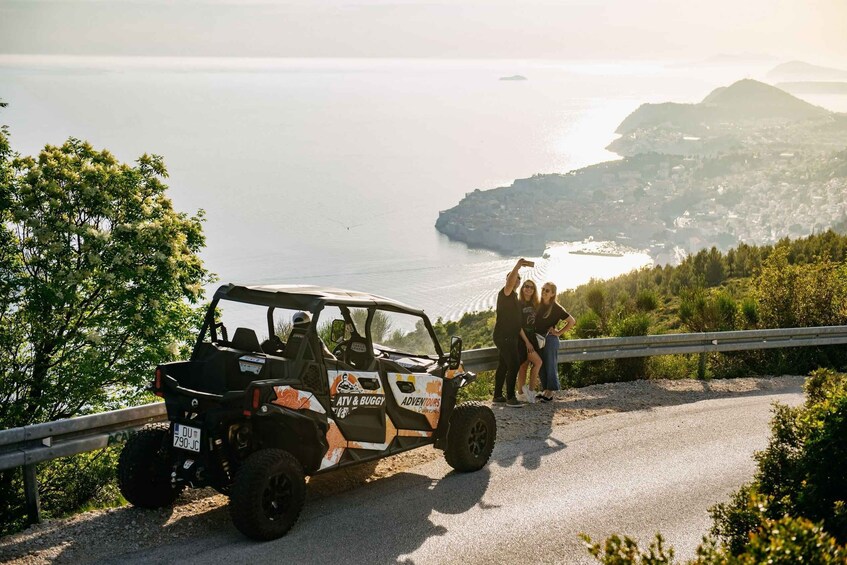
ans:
x=750 y=163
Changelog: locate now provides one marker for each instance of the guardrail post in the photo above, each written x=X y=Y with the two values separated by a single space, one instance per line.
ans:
x=33 y=504
x=701 y=366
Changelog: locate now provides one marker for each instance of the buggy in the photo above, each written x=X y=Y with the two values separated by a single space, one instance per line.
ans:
x=253 y=417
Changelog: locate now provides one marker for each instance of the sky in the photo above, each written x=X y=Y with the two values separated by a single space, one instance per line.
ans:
x=683 y=30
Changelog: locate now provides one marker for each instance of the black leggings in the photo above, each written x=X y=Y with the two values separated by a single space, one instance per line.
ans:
x=508 y=364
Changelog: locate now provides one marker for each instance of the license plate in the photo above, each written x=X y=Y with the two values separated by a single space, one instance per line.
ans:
x=186 y=437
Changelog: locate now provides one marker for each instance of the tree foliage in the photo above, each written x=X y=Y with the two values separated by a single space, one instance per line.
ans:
x=99 y=275
x=100 y=280
x=801 y=295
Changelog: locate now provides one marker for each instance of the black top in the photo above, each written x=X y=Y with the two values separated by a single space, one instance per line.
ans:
x=508 y=321
x=527 y=317
x=544 y=323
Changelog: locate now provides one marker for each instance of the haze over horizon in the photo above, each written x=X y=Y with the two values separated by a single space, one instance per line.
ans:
x=581 y=29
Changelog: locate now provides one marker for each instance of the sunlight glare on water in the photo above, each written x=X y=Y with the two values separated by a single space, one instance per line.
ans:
x=333 y=171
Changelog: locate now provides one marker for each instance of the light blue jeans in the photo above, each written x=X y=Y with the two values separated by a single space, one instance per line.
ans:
x=550 y=363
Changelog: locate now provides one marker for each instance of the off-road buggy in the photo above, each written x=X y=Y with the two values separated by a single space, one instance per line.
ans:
x=252 y=417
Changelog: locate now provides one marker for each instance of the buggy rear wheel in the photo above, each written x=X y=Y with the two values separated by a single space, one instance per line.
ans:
x=268 y=494
x=470 y=441
x=144 y=469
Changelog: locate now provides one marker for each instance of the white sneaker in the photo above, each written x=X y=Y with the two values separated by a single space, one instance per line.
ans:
x=520 y=396
x=527 y=393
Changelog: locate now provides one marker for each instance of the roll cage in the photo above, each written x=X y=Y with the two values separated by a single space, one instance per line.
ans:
x=314 y=300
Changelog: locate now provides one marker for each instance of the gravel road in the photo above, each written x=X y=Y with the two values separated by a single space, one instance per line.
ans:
x=606 y=491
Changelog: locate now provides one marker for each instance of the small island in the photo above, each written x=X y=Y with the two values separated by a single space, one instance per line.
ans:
x=749 y=164
x=514 y=77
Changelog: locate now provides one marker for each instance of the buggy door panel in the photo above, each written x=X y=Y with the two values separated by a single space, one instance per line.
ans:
x=414 y=399
x=357 y=401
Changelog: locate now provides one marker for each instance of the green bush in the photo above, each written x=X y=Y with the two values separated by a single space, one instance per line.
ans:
x=672 y=366
x=65 y=486
x=792 y=295
x=621 y=551
x=749 y=313
x=646 y=300
x=630 y=369
x=795 y=509
x=708 y=312
x=84 y=480
x=588 y=325
x=480 y=389
x=801 y=472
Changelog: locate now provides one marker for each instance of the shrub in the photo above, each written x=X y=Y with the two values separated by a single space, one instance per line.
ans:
x=708 y=312
x=629 y=369
x=672 y=366
x=646 y=300
x=633 y=325
x=620 y=551
x=795 y=510
x=749 y=313
x=791 y=295
x=588 y=325
x=801 y=472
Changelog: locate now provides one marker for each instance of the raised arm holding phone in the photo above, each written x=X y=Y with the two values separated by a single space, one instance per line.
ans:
x=507 y=330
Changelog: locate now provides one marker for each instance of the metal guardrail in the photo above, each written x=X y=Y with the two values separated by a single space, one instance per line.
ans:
x=675 y=344
x=41 y=442
x=29 y=445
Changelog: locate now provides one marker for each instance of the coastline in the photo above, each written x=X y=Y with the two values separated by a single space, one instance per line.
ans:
x=691 y=177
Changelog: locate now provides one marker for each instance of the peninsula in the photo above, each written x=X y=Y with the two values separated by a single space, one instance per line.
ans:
x=750 y=163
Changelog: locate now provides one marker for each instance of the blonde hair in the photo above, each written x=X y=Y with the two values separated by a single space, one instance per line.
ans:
x=534 y=299
x=548 y=307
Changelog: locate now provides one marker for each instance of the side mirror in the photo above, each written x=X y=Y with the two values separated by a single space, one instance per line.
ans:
x=219 y=326
x=338 y=331
x=455 y=357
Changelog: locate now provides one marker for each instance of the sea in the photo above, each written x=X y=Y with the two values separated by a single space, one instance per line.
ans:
x=332 y=171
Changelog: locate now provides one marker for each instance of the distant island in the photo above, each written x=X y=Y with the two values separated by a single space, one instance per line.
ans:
x=750 y=163
x=801 y=71
x=514 y=77
x=798 y=77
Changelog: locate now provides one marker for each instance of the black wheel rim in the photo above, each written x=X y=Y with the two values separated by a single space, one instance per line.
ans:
x=277 y=497
x=478 y=438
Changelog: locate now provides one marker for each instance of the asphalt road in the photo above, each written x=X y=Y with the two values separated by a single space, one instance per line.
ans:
x=634 y=473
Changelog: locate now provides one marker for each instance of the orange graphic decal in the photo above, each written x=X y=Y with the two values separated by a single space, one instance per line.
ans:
x=390 y=429
x=413 y=433
x=337 y=443
x=291 y=398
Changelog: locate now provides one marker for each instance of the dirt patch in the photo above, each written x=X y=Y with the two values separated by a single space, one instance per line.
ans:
x=93 y=536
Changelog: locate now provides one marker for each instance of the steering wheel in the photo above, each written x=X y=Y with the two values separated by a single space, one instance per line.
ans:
x=340 y=350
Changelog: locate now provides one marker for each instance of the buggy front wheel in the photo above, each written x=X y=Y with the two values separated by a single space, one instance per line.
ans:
x=471 y=437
